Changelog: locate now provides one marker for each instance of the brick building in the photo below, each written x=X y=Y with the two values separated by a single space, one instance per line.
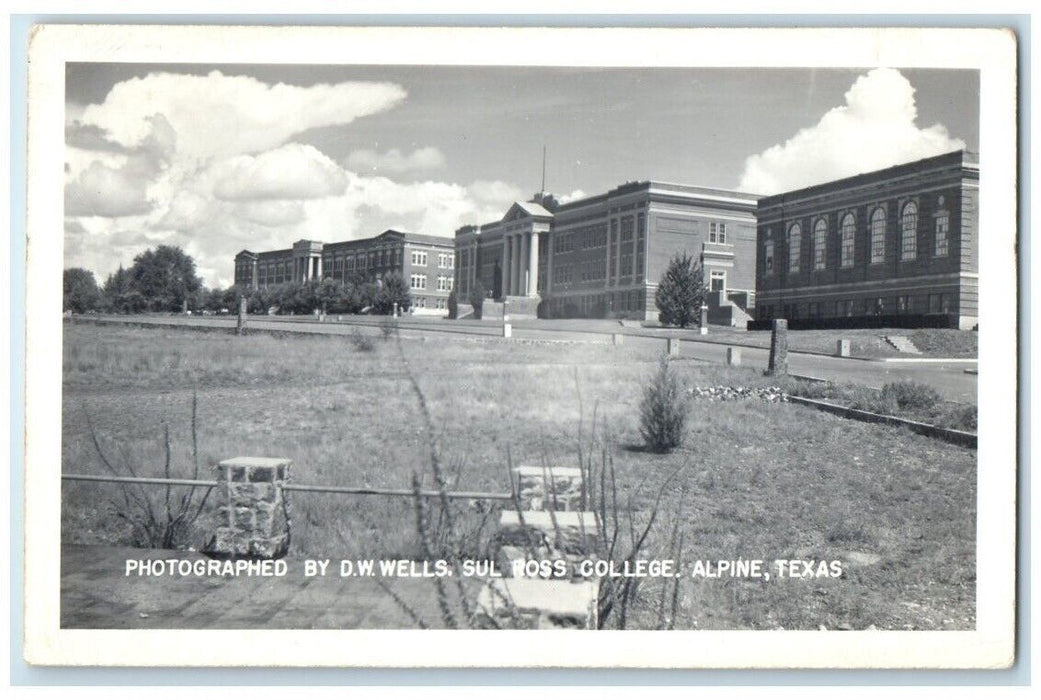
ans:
x=603 y=255
x=895 y=247
x=427 y=262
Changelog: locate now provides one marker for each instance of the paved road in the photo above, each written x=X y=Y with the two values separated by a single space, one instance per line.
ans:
x=950 y=379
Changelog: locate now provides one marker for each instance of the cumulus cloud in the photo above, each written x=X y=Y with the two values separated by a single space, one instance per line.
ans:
x=394 y=161
x=293 y=171
x=272 y=212
x=208 y=163
x=103 y=191
x=219 y=115
x=575 y=195
x=874 y=129
x=115 y=182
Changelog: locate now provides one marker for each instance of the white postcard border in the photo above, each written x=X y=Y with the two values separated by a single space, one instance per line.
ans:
x=992 y=52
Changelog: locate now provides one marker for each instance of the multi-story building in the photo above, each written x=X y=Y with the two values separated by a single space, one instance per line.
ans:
x=427 y=262
x=603 y=255
x=895 y=247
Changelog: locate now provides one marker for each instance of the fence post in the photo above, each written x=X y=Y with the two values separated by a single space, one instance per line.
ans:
x=252 y=509
x=240 y=326
x=779 y=347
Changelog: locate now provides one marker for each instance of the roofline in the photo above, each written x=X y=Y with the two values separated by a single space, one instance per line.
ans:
x=967 y=158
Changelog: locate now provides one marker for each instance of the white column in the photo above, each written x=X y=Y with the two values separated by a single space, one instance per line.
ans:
x=522 y=265
x=533 y=265
x=505 y=272
x=319 y=267
x=514 y=265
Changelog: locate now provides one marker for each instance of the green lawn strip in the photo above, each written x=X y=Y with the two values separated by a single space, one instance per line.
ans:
x=763 y=480
x=864 y=342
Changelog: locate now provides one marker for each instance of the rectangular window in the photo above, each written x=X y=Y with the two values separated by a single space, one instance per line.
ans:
x=641 y=236
x=717 y=233
x=768 y=257
x=942 y=222
x=419 y=258
x=717 y=281
x=418 y=281
x=627 y=247
x=794 y=247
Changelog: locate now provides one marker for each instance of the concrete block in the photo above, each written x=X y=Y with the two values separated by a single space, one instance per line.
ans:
x=733 y=356
x=538 y=604
x=571 y=532
x=507 y=330
x=672 y=347
x=843 y=347
x=540 y=488
x=617 y=338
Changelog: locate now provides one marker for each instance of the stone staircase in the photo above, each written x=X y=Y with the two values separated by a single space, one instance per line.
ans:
x=538 y=550
x=728 y=311
x=903 y=344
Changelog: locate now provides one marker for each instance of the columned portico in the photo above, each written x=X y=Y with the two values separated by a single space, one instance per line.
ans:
x=307 y=261
x=521 y=264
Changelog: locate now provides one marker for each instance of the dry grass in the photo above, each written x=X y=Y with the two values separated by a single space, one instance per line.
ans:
x=765 y=480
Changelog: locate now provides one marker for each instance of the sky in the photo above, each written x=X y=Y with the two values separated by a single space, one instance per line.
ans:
x=220 y=158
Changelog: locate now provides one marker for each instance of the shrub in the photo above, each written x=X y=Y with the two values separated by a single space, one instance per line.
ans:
x=362 y=342
x=157 y=518
x=959 y=418
x=663 y=410
x=453 y=305
x=388 y=327
x=910 y=395
x=681 y=292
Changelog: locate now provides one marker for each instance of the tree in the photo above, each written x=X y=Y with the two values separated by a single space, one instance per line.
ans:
x=681 y=292
x=663 y=410
x=453 y=305
x=394 y=290
x=165 y=277
x=120 y=295
x=80 y=291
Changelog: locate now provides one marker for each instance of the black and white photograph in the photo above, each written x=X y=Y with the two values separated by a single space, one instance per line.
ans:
x=629 y=346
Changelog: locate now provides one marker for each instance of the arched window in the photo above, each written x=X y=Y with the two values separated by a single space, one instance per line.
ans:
x=909 y=231
x=878 y=235
x=794 y=247
x=847 y=231
x=820 y=244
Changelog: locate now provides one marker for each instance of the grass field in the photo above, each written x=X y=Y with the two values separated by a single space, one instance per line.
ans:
x=762 y=481
x=864 y=342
